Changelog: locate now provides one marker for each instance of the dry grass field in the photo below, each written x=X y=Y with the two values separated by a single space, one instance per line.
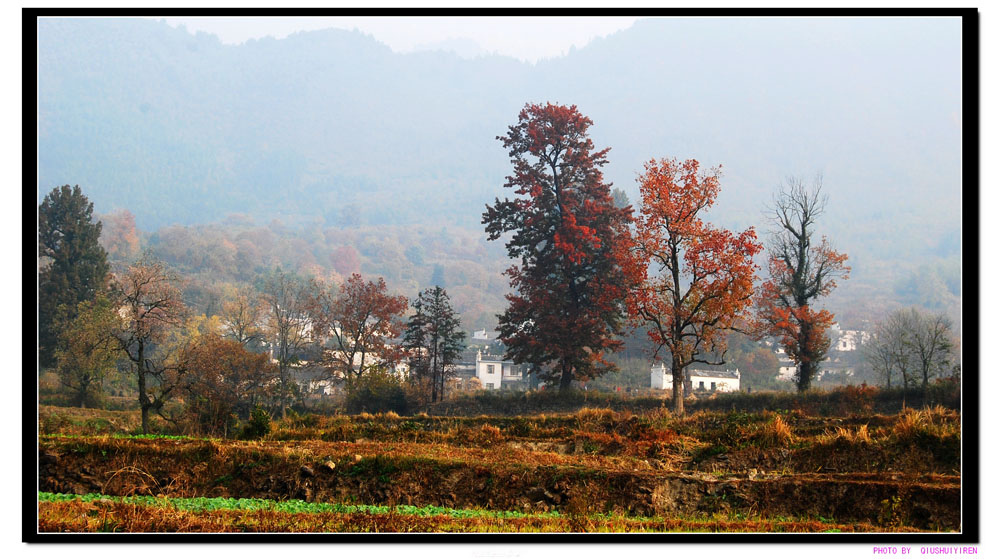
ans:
x=589 y=470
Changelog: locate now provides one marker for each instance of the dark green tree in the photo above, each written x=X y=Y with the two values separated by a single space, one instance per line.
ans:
x=433 y=339
x=72 y=266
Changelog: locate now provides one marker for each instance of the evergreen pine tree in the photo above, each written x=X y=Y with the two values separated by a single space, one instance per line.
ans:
x=433 y=338
x=72 y=265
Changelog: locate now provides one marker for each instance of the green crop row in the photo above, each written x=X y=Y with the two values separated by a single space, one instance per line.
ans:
x=201 y=504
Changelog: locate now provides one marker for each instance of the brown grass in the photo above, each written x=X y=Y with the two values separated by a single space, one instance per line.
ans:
x=775 y=433
x=844 y=435
x=76 y=516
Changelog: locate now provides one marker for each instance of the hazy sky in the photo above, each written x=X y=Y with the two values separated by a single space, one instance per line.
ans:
x=521 y=37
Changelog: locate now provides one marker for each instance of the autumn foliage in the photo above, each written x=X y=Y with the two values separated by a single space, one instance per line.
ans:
x=225 y=382
x=800 y=271
x=361 y=319
x=148 y=297
x=701 y=283
x=570 y=242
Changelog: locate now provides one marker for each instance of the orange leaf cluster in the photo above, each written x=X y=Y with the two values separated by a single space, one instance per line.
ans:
x=701 y=282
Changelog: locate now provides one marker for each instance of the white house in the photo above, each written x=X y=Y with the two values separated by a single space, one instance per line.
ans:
x=786 y=369
x=834 y=367
x=847 y=340
x=712 y=381
x=493 y=372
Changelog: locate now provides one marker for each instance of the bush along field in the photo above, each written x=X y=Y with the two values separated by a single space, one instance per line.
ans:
x=592 y=469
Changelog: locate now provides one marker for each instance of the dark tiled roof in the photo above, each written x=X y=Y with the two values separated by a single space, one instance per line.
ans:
x=717 y=374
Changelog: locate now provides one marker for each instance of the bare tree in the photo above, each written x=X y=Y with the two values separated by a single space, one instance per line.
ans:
x=288 y=325
x=913 y=345
x=149 y=305
x=931 y=343
x=242 y=316
x=898 y=326
x=801 y=271
x=885 y=351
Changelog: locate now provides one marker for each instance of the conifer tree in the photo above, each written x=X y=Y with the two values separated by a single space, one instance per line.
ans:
x=72 y=265
x=433 y=339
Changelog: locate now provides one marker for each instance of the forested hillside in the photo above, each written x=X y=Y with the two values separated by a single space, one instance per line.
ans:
x=328 y=141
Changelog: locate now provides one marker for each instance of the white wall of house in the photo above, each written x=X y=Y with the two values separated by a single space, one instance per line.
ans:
x=715 y=383
x=493 y=372
x=489 y=372
x=660 y=378
x=847 y=371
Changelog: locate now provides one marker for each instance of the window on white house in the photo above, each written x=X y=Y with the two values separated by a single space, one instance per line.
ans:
x=489 y=385
x=701 y=385
x=490 y=369
x=713 y=386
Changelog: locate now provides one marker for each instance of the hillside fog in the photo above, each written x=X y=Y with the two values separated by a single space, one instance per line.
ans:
x=326 y=152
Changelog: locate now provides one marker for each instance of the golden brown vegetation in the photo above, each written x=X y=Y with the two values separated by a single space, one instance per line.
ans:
x=594 y=461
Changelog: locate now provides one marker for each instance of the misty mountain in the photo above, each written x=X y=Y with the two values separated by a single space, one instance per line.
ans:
x=334 y=128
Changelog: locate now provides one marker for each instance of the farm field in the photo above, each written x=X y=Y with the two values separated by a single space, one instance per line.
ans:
x=590 y=470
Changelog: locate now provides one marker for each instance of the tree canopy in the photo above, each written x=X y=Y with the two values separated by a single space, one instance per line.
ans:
x=801 y=271
x=72 y=265
x=705 y=275
x=567 y=309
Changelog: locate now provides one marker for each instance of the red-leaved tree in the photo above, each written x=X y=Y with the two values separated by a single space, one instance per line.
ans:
x=360 y=320
x=800 y=272
x=702 y=286
x=570 y=240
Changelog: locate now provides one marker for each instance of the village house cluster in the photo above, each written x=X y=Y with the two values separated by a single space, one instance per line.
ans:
x=482 y=366
x=843 y=344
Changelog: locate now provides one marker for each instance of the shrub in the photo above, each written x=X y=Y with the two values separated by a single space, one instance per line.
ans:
x=258 y=426
x=857 y=398
x=375 y=392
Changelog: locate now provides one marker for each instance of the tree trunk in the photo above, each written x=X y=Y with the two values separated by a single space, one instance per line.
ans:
x=807 y=370
x=145 y=420
x=434 y=374
x=807 y=367
x=283 y=388
x=141 y=381
x=678 y=379
x=566 y=381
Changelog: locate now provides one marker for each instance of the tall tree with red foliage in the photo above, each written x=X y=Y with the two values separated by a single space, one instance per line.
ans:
x=567 y=308
x=703 y=285
x=800 y=272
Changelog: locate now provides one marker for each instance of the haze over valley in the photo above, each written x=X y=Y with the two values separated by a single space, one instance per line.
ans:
x=327 y=152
